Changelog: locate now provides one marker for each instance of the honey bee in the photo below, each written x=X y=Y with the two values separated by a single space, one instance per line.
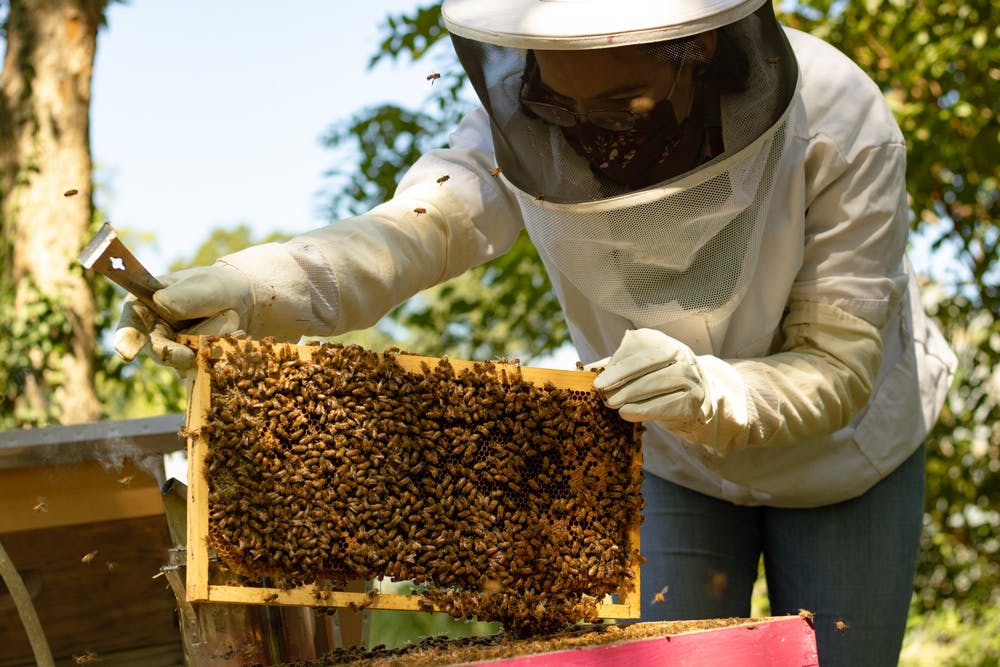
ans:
x=718 y=584
x=70 y=192
x=88 y=558
x=443 y=179
x=250 y=650
x=806 y=614
x=125 y=481
x=495 y=172
x=42 y=506
x=491 y=586
x=419 y=210
x=642 y=104
x=270 y=598
x=434 y=76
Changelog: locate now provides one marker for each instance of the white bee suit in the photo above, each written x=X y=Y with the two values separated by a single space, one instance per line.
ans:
x=826 y=270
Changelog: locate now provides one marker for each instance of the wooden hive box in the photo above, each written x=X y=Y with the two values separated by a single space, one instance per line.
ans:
x=81 y=518
x=787 y=641
x=503 y=492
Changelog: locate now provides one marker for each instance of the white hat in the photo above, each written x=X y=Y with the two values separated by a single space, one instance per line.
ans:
x=588 y=24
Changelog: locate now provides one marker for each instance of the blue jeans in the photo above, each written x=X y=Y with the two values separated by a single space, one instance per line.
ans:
x=852 y=562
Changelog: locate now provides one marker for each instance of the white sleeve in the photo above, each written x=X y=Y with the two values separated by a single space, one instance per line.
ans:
x=857 y=215
x=813 y=386
x=448 y=214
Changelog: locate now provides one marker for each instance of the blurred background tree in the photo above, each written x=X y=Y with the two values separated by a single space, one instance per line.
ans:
x=938 y=63
x=505 y=308
x=48 y=330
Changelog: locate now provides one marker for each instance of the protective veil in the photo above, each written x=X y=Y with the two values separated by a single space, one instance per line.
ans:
x=670 y=250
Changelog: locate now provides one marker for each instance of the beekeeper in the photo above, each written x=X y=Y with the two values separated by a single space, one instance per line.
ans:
x=720 y=205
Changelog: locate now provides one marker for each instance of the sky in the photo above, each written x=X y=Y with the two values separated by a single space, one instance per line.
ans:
x=209 y=114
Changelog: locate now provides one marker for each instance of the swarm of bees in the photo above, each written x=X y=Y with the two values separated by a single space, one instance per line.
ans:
x=501 y=499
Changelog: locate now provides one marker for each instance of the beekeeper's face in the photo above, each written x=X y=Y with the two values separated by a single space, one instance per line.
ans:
x=627 y=78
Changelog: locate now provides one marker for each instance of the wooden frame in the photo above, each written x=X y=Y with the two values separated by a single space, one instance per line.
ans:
x=199 y=587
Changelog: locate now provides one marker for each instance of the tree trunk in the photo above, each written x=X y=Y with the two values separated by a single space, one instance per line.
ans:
x=44 y=156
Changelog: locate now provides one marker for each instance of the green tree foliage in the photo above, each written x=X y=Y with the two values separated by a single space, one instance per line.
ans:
x=505 y=308
x=222 y=241
x=936 y=61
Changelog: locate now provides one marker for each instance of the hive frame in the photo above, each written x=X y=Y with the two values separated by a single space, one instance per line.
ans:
x=198 y=585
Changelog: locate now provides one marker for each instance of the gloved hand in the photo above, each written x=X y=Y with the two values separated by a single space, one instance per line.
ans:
x=653 y=377
x=220 y=293
x=815 y=384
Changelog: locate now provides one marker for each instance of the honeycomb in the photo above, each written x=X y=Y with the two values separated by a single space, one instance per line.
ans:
x=499 y=499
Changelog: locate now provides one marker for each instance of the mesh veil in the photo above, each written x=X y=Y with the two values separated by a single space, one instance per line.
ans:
x=683 y=246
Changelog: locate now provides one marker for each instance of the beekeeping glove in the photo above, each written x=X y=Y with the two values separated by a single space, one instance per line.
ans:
x=220 y=293
x=814 y=385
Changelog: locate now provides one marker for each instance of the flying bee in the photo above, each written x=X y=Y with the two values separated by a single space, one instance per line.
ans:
x=42 y=506
x=840 y=625
x=86 y=658
x=125 y=481
x=495 y=171
x=434 y=76
x=642 y=104
x=660 y=595
x=70 y=192
x=419 y=210
x=88 y=558
x=718 y=584
x=443 y=179
x=250 y=650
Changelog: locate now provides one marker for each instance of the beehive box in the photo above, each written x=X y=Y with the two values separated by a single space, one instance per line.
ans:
x=787 y=641
x=502 y=492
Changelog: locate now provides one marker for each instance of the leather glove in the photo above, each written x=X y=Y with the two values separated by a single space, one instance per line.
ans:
x=220 y=293
x=653 y=377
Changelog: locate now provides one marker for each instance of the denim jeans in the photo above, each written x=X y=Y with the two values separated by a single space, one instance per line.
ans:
x=852 y=563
